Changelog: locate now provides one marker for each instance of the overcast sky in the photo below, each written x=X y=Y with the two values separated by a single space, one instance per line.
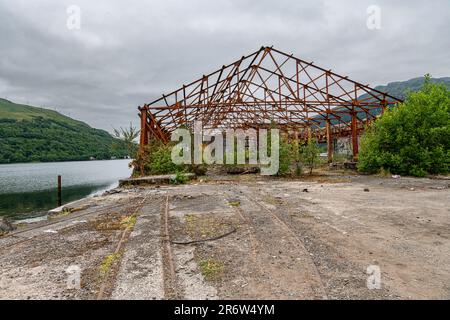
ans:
x=127 y=53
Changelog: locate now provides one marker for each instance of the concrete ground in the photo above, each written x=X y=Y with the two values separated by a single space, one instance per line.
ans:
x=242 y=237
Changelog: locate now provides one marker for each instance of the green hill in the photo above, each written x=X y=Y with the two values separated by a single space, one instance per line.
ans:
x=397 y=89
x=29 y=134
x=400 y=89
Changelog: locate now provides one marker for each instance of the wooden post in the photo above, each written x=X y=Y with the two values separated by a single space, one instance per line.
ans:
x=355 y=136
x=59 y=191
x=329 y=142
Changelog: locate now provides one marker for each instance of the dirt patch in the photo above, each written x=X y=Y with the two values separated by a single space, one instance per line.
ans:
x=245 y=237
x=317 y=238
x=35 y=265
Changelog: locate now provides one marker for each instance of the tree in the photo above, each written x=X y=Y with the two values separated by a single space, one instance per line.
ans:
x=310 y=154
x=412 y=138
x=286 y=157
x=128 y=137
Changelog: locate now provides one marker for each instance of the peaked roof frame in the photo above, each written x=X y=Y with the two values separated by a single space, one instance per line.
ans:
x=267 y=85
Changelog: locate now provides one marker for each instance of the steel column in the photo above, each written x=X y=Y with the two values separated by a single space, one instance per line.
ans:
x=355 y=136
x=144 y=131
x=329 y=142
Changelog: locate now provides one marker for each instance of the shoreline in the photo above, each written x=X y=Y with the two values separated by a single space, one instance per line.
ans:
x=29 y=190
x=63 y=161
x=46 y=214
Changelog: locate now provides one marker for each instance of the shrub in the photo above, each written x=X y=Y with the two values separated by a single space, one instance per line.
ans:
x=179 y=178
x=413 y=138
x=286 y=157
x=310 y=154
x=298 y=168
x=155 y=159
x=140 y=160
x=160 y=160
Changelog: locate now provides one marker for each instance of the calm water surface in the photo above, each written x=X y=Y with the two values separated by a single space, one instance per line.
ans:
x=30 y=189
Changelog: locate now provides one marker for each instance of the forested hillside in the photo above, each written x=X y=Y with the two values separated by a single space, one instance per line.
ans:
x=30 y=134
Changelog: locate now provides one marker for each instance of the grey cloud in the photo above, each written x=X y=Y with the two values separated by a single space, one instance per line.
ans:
x=129 y=53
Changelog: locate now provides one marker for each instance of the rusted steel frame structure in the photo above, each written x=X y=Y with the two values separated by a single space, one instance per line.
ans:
x=264 y=87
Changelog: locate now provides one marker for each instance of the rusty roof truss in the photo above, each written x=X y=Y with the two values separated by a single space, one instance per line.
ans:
x=263 y=87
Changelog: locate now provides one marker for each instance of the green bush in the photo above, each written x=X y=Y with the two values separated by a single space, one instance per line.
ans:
x=286 y=157
x=310 y=154
x=160 y=161
x=411 y=139
x=155 y=159
x=179 y=178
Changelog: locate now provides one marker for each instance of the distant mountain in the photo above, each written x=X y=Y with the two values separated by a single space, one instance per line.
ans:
x=29 y=134
x=400 y=89
x=397 y=89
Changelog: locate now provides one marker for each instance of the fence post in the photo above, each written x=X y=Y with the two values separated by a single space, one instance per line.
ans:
x=59 y=191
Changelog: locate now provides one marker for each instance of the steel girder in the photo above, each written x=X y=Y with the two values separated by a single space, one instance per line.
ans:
x=264 y=87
